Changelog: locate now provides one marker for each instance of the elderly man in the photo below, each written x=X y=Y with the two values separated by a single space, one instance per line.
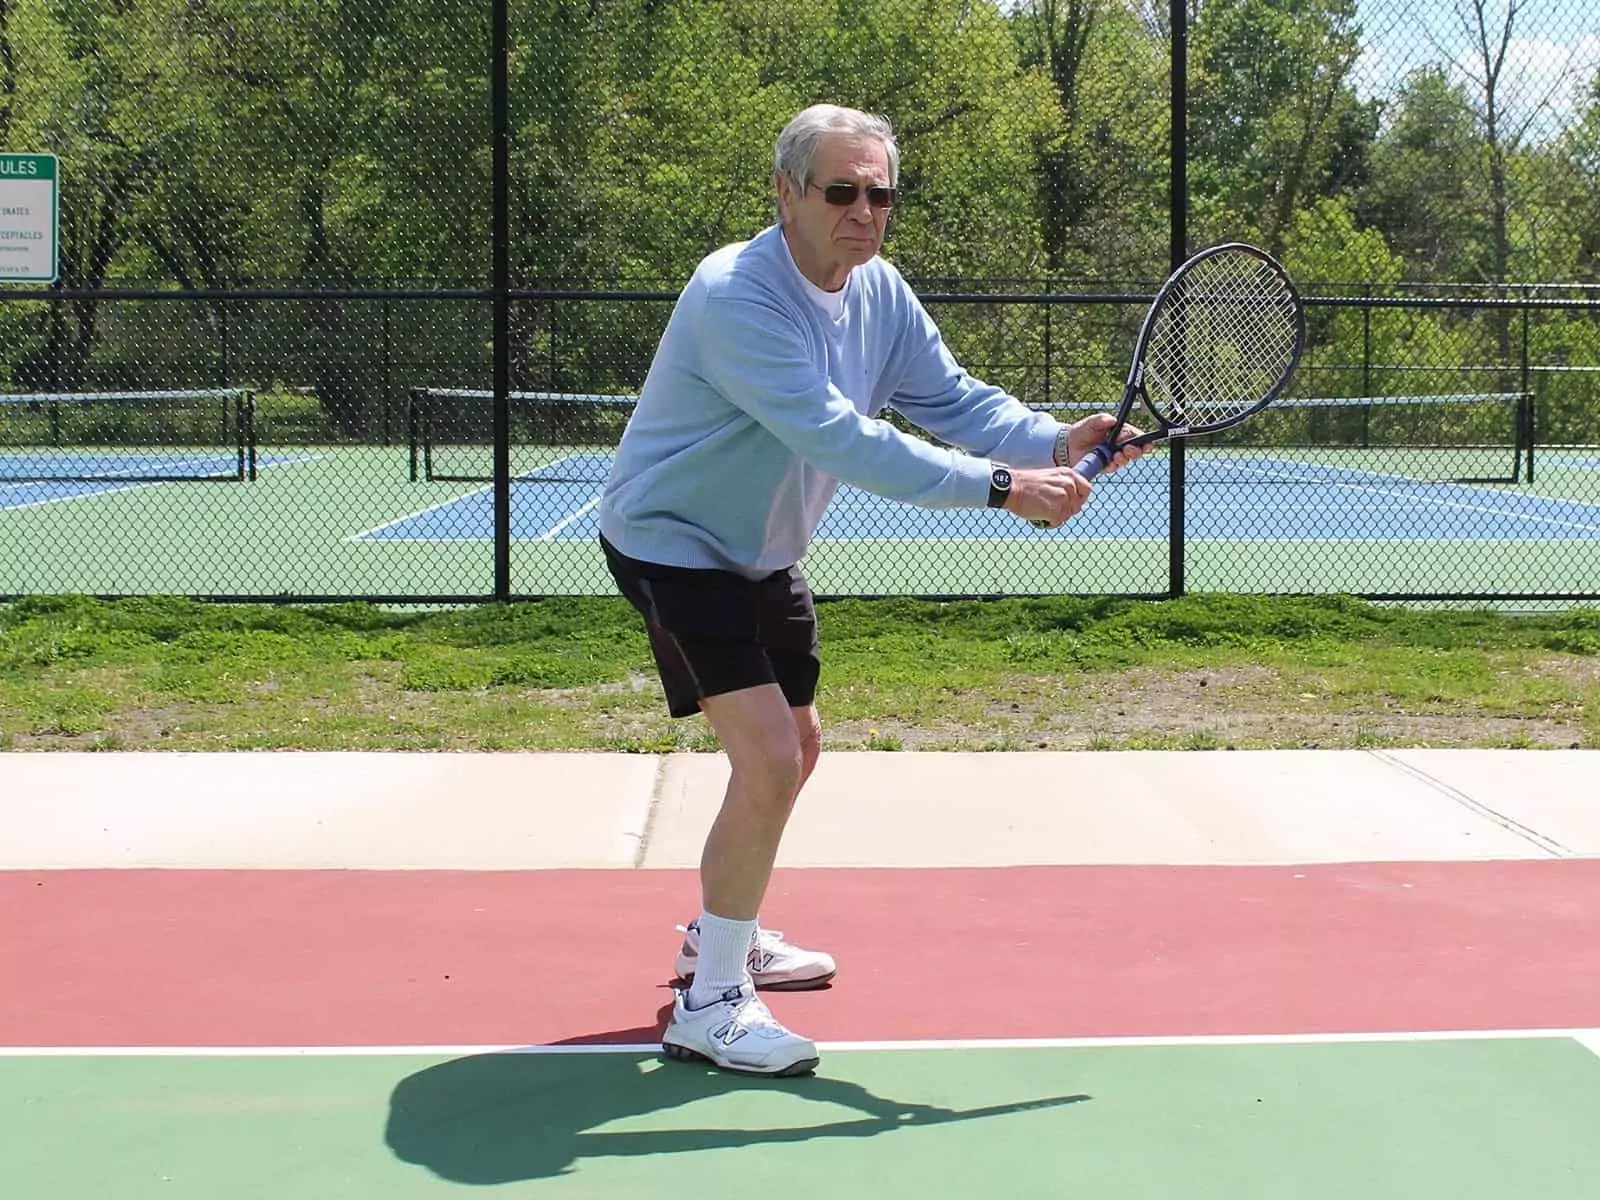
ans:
x=779 y=356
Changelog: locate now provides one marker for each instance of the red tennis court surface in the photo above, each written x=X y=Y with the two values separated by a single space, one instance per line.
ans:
x=336 y=958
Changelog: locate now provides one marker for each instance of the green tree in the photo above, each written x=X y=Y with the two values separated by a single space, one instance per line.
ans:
x=320 y=104
x=1274 y=122
x=1103 y=201
x=1567 y=179
x=86 y=89
x=1425 y=191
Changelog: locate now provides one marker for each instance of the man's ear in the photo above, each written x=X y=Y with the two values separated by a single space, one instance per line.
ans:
x=784 y=187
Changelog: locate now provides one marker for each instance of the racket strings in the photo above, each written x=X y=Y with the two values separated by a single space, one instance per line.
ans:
x=1224 y=339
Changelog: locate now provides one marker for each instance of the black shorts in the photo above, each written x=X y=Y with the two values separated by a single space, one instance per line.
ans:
x=714 y=631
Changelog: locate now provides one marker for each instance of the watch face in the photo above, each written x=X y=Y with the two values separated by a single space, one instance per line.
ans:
x=1001 y=478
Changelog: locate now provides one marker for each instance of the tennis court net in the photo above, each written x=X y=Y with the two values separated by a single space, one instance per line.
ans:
x=555 y=437
x=1455 y=438
x=133 y=436
x=567 y=437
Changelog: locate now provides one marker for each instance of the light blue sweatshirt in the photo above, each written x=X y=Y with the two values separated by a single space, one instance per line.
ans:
x=759 y=403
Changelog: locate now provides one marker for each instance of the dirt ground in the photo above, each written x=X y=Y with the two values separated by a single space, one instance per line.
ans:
x=1246 y=707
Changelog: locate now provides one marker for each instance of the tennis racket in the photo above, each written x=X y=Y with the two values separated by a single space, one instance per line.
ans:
x=1220 y=342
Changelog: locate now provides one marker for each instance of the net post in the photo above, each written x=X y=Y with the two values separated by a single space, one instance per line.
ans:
x=1527 y=391
x=235 y=401
x=411 y=430
x=1528 y=428
x=249 y=400
x=1047 y=308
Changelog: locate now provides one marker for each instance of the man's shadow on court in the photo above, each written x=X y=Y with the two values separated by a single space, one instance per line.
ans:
x=503 y=1117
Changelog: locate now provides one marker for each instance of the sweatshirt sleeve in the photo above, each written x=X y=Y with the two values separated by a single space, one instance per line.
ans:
x=935 y=393
x=756 y=355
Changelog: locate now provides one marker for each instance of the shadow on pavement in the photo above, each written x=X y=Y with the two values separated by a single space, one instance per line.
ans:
x=503 y=1117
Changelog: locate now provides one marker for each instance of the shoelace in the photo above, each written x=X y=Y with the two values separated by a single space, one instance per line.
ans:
x=752 y=1013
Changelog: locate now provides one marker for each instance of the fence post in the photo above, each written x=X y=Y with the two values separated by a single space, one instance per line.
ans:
x=1366 y=349
x=500 y=102
x=1178 y=204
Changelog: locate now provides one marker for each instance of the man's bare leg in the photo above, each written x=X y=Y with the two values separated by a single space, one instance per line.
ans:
x=772 y=750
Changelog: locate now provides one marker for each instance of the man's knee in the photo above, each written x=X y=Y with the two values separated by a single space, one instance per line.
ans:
x=774 y=763
x=809 y=730
x=759 y=736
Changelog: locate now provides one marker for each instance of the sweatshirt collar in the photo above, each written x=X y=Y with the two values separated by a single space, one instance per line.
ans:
x=830 y=303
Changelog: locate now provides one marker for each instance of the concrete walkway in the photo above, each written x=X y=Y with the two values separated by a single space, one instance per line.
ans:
x=533 y=811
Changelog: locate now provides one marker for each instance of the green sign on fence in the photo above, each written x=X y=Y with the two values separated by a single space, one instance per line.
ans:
x=29 y=217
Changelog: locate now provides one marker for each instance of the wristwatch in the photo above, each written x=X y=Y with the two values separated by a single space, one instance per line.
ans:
x=999 y=486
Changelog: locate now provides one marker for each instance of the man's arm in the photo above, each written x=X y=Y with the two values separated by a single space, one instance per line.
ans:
x=757 y=357
x=936 y=393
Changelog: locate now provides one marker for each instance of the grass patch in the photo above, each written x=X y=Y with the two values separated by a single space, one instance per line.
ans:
x=1203 y=672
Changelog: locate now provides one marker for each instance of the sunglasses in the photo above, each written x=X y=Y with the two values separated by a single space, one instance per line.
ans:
x=843 y=195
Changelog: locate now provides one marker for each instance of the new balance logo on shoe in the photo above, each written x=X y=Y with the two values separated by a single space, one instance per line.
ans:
x=772 y=962
x=727 y=1034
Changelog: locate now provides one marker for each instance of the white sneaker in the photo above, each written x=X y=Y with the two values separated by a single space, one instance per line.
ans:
x=773 y=963
x=737 y=1033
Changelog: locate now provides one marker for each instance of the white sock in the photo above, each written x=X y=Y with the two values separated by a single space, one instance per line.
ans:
x=724 y=958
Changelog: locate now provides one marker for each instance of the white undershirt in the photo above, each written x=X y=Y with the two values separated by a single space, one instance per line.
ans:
x=831 y=303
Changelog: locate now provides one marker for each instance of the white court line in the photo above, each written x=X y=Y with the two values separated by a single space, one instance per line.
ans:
x=422 y=512
x=1589 y=1038
x=1425 y=501
x=541 y=537
x=550 y=533
x=559 y=526
x=6 y=507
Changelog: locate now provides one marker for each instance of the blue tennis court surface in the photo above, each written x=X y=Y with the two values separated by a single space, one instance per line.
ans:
x=1263 y=497
x=118 y=472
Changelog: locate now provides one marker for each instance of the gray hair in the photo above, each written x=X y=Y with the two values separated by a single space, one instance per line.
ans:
x=797 y=144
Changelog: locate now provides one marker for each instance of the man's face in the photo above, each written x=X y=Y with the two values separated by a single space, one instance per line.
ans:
x=827 y=240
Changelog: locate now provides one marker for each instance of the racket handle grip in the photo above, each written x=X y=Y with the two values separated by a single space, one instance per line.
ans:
x=1090 y=465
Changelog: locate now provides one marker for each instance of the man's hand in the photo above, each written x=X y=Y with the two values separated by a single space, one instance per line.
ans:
x=1047 y=496
x=1083 y=436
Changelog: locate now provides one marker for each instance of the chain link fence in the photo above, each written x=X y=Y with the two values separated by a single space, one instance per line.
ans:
x=310 y=257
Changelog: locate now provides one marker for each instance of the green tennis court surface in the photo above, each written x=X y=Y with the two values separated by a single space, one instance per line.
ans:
x=1461 y=1118
x=324 y=520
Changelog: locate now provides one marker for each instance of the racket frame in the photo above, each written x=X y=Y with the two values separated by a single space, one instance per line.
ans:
x=1133 y=389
